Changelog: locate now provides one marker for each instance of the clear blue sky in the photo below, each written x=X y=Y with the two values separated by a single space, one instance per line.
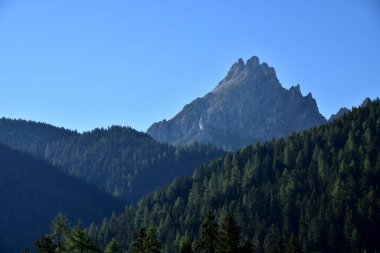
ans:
x=90 y=63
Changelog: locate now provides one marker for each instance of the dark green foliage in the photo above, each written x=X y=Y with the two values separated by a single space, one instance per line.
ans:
x=229 y=235
x=146 y=241
x=119 y=160
x=33 y=192
x=209 y=236
x=138 y=244
x=113 y=247
x=321 y=185
x=45 y=245
x=79 y=242
x=185 y=245
x=59 y=229
x=31 y=136
x=75 y=240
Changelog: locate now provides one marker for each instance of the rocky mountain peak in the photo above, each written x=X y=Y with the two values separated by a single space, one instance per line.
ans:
x=247 y=106
x=242 y=71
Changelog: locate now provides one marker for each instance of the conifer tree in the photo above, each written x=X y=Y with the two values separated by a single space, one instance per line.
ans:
x=137 y=245
x=209 y=238
x=113 y=247
x=79 y=241
x=59 y=231
x=45 y=245
x=185 y=245
x=151 y=243
x=229 y=235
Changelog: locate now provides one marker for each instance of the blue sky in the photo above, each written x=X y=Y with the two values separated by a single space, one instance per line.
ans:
x=83 y=64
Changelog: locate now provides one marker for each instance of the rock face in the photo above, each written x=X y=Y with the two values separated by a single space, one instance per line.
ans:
x=249 y=105
x=342 y=111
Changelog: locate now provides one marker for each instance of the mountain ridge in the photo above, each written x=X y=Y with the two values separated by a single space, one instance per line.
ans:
x=118 y=160
x=33 y=192
x=248 y=105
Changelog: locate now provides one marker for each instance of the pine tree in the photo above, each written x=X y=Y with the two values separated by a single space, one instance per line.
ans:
x=59 y=231
x=229 y=235
x=137 y=245
x=185 y=245
x=113 y=247
x=45 y=245
x=151 y=243
x=209 y=237
x=79 y=241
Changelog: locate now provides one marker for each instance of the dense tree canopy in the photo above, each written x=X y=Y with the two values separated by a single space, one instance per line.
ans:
x=33 y=192
x=119 y=160
x=317 y=190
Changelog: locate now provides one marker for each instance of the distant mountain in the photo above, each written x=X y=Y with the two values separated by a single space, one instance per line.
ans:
x=342 y=111
x=119 y=160
x=249 y=105
x=31 y=136
x=33 y=192
x=321 y=185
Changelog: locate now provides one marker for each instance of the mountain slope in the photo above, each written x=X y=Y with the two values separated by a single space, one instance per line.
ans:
x=119 y=160
x=339 y=114
x=322 y=185
x=32 y=193
x=31 y=136
x=247 y=106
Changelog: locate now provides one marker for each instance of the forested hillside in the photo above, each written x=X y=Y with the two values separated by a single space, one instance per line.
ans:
x=125 y=162
x=33 y=192
x=120 y=160
x=31 y=136
x=322 y=185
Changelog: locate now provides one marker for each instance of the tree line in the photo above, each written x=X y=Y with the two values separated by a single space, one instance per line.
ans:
x=321 y=186
x=225 y=237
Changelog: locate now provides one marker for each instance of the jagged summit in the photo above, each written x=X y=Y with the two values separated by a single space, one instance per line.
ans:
x=247 y=106
x=252 y=68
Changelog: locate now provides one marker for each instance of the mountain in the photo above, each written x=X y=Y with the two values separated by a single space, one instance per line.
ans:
x=321 y=185
x=31 y=136
x=342 y=111
x=119 y=160
x=249 y=105
x=33 y=192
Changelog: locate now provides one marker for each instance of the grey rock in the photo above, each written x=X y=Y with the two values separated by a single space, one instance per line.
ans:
x=365 y=102
x=339 y=114
x=249 y=105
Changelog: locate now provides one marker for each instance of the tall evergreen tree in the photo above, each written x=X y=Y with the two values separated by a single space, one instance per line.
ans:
x=79 y=241
x=45 y=245
x=229 y=233
x=151 y=243
x=113 y=247
x=209 y=238
x=137 y=246
x=59 y=231
x=185 y=245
